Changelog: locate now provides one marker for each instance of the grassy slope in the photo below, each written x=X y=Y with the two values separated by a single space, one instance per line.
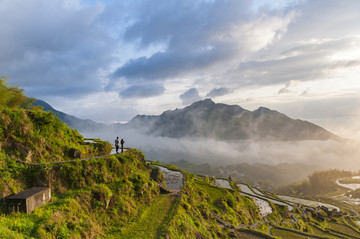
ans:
x=91 y=198
x=114 y=196
x=33 y=135
x=152 y=222
x=200 y=200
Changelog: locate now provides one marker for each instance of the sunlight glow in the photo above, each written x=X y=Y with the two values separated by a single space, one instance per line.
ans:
x=348 y=55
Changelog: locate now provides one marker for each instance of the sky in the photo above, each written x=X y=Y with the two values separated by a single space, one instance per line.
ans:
x=111 y=60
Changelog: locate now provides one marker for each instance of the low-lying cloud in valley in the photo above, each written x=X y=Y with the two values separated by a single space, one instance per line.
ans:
x=327 y=154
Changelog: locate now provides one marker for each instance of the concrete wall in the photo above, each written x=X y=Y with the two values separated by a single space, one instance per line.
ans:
x=37 y=200
x=28 y=200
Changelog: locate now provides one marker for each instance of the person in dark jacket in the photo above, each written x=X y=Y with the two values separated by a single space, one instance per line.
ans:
x=122 y=145
x=117 y=144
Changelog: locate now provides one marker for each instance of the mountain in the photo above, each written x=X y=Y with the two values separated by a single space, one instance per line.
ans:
x=126 y=196
x=72 y=121
x=207 y=119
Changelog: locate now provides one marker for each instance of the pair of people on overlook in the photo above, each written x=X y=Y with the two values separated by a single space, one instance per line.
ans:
x=117 y=145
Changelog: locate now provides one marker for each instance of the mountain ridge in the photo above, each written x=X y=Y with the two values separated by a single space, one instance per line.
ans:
x=71 y=121
x=124 y=195
x=207 y=119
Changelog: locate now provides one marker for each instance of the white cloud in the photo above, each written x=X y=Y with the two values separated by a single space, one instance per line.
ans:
x=67 y=51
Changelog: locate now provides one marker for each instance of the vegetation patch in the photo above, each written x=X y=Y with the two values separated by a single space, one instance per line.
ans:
x=152 y=221
x=344 y=229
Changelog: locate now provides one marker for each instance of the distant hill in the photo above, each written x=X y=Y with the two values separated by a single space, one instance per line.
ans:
x=72 y=121
x=207 y=119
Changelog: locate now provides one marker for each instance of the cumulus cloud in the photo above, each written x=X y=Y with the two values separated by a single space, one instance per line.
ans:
x=49 y=47
x=190 y=96
x=198 y=36
x=218 y=92
x=62 y=50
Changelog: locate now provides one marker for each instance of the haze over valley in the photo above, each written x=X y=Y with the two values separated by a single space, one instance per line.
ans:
x=240 y=119
x=211 y=137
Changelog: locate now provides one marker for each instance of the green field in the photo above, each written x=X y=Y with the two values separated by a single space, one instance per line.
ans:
x=281 y=233
x=345 y=229
x=320 y=232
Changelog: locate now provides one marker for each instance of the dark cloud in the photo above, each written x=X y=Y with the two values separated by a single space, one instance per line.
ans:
x=190 y=96
x=54 y=47
x=197 y=36
x=169 y=64
x=142 y=91
x=68 y=49
x=283 y=91
x=287 y=88
x=218 y=92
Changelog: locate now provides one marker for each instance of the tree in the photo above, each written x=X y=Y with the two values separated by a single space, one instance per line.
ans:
x=12 y=96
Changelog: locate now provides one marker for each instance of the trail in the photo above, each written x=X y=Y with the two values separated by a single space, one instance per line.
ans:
x=153 y=220
x=67 y=161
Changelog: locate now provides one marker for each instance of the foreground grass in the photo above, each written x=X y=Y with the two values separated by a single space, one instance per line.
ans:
x=214 y=193
x=151 y=223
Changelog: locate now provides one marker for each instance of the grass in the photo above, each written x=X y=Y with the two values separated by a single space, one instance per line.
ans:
x=344 y=229
x=278 y=232
x=152 y=222
x=320 y=232
x=214 y=193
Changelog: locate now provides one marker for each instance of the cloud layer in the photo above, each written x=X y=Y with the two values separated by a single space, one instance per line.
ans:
x=174 y=52
x=197 y=37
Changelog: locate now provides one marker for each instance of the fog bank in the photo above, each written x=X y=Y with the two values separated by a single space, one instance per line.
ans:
x=330 y=154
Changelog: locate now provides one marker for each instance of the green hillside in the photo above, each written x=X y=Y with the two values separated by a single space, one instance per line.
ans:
x=99 y=195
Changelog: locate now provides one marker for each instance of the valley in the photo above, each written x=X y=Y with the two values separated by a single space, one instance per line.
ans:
x=97 y=193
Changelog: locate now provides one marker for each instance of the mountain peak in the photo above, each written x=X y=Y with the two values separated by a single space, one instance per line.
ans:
x=206 y=102
x=208 y=119
x=262 y=110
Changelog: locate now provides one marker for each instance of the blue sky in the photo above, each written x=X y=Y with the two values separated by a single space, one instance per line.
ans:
x=110 y=60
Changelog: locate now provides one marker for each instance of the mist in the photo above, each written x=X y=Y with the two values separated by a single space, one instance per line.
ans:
x=343 y=154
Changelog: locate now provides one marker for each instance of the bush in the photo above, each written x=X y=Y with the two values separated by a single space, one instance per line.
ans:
x=101 y=195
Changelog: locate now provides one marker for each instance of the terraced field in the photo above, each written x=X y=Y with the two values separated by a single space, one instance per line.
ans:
x=309 y=203
x=283 y=233
x=163 y=209
x=245 y=188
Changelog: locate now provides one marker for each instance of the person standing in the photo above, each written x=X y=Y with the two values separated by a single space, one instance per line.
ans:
x=117 y=144
x=122 y=145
